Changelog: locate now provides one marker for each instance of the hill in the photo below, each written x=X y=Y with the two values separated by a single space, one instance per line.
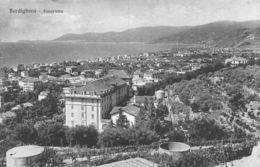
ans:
x=222 y=33
x=142 y=34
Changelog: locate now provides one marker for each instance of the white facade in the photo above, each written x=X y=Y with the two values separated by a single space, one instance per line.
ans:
x=83 y=111
x=28 y=85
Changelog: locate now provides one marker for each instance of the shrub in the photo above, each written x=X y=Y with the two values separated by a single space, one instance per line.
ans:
x=82 y=135
x=112 y=137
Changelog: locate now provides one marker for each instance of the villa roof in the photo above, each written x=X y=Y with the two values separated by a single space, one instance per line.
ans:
x=132 y=110
x=100 y=85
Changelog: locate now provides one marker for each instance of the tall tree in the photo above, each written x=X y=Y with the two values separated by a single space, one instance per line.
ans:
x=237 y=101
x=51 y=134
x=111 y=137
x=82 y=135
x=25 y=133
x=122 y=121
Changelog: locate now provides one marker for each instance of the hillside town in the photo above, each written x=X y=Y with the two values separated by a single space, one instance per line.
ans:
x=105 y=110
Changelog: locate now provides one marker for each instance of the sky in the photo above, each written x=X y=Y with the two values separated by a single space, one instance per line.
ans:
x=81 y=16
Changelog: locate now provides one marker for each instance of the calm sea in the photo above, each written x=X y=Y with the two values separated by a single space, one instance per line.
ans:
x=27 y=52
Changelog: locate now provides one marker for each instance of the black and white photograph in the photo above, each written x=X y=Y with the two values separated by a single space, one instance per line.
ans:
x=130 y=83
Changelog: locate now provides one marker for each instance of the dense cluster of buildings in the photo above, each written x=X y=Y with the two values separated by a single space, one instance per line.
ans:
x=93 y=95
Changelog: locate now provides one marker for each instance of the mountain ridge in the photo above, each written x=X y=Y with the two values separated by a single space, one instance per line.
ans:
x=140 y=34
x=221 y=33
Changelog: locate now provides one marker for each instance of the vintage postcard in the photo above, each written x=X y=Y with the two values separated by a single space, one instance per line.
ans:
x=129 y=83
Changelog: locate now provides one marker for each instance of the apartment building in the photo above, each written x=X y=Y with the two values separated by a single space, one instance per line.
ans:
x=84 y=105
x=29 y=83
